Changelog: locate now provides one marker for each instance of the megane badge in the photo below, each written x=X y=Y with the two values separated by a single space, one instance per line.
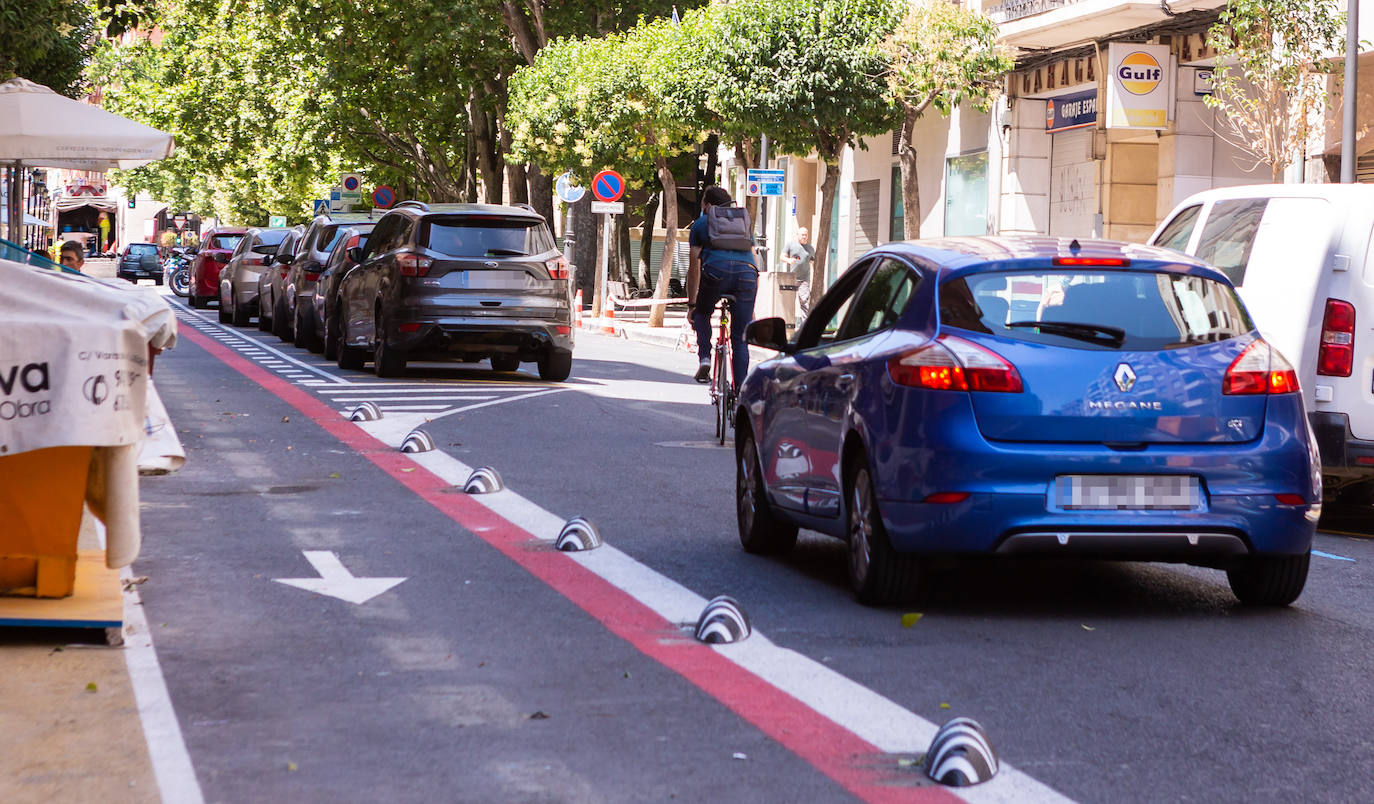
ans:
x=1125 y=378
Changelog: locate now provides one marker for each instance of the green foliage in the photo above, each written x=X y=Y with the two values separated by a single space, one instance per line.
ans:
x=47 y=42
x=942 y=54
x=1270 y=78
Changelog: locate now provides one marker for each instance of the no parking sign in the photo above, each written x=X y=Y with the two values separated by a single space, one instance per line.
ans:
x=383 y=197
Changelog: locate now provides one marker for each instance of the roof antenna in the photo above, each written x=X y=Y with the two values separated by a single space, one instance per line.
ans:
x=1073 y=245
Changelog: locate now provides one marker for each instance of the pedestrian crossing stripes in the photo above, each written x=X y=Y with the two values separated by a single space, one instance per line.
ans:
x=431 y=397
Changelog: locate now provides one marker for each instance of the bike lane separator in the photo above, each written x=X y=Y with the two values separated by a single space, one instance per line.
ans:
x=753 y=683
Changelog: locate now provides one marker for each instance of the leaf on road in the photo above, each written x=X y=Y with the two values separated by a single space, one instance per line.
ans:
x=91 y=687
x=286 y=418
x=944 y=705
x=539 y=715
x=291 y=766
x=739 y=755
x=911 y=618
x=411 y=469
x=1089 y=628
x=335 y=475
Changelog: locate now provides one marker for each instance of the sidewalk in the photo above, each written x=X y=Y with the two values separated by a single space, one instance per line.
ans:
x=634 y=325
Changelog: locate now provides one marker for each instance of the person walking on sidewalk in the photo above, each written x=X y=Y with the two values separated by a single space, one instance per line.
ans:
x=726 y=267
x=798 y=256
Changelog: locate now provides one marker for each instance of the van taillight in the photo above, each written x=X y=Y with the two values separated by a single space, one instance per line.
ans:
x=558 y=268
x=413 y=264
x=1260 y=369
x=954 y=364
x=1336 y=357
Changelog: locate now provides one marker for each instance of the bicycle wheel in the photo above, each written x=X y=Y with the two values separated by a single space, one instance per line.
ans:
x=722 y=390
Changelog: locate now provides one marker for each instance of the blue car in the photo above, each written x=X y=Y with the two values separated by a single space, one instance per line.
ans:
x=1029 y=396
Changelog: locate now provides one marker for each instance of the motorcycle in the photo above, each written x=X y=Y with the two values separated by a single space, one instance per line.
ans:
x=177 y=269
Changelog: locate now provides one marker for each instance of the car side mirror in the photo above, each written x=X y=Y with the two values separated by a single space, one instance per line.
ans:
x=770 y=333
x=355 y=254
x=191 y=252
x=221 y=257
x=285 y=259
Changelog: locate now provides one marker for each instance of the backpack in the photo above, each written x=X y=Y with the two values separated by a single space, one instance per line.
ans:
x=728 y=229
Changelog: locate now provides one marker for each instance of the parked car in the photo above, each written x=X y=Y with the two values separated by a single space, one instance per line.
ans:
x=238 y=282
x=1136 y=415
x=1301 y=257
x=272 y=280
x=140 y=261
x=320 y=332
x=296 y=311
x=208 y=258
x=461 y=281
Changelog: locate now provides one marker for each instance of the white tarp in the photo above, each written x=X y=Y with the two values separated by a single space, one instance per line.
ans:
x=74 y=372
x=40 y=127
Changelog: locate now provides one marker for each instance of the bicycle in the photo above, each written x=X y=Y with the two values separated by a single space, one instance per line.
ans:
x=722 y=396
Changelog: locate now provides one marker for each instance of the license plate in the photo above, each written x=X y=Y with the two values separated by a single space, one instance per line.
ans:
x=1127 y=492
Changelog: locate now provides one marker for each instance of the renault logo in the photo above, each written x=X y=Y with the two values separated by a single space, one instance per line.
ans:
x=1125 y=378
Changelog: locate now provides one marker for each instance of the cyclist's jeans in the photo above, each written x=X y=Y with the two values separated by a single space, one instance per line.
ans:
x=737 y=279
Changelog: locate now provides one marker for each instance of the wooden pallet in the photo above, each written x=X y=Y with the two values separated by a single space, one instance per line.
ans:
x=97 y=601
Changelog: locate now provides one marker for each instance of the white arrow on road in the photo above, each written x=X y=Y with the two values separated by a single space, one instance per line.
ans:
x=336 y=581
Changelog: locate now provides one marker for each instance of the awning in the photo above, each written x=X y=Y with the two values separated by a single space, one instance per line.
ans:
x=29 y=220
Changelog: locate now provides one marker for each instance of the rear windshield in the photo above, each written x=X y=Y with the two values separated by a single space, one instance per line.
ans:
x=1124 y=310
x=142 y=248
x=487 y=237
x=226 y=242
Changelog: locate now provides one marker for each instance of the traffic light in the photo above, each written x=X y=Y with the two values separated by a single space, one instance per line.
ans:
x=132 y=202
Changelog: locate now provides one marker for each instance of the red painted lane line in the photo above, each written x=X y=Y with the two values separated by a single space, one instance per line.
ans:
x=825 y=745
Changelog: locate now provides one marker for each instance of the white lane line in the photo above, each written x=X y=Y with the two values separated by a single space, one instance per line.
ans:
x=283 y=355
x=386 y=408
x=877 y=719
x=501 y=401
x=176 y=777
x=408 y=398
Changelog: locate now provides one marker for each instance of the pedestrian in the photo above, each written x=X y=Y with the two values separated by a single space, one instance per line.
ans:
x=72 y=256
x=714 y=269
x=798 y=256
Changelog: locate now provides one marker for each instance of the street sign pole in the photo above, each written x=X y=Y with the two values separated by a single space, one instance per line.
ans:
x=601 y=292
x=763 y=209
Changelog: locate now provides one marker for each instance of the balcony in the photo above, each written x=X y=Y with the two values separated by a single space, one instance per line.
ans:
x=1054 y=24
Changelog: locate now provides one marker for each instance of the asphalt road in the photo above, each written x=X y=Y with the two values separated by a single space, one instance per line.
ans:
x=499 y=671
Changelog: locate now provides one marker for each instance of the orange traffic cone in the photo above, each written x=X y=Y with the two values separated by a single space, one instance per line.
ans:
x=577 y=306
x=608 y=317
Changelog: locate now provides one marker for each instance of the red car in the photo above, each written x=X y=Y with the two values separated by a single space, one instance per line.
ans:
x=209 y=257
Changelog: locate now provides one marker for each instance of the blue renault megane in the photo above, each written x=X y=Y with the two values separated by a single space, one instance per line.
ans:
x=1029 y=396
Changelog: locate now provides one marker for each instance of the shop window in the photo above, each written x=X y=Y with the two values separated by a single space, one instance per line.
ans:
x=896 y=226
x=966 y=195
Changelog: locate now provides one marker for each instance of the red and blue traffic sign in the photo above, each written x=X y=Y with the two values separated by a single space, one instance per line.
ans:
x=351 y=183
x=383 y=197
x=608 y=186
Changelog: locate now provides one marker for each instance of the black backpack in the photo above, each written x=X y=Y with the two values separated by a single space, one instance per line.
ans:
x=728 y=229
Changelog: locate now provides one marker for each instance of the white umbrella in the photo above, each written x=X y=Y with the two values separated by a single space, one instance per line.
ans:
x=41 y=128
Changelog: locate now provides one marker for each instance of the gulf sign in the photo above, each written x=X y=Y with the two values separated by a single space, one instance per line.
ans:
x=1139 y=86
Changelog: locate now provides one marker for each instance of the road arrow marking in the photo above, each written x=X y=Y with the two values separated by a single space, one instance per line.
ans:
x=336 y=581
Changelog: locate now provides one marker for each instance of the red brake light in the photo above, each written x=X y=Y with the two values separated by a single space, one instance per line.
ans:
x=283 y=272
x=946 y=497
x=1290 y=499
x=954 y=364
x=311 y=276
x=558 y=268
x=1116 y=262
x=1260 y=369
x=1336 y=357
x=414 y=264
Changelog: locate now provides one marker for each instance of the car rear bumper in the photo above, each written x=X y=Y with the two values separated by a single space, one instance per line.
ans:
x=140 y=271
x=478 y=337
x=1343 y=455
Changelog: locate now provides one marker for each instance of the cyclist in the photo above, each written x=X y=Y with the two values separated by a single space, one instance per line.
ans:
x=711 y=274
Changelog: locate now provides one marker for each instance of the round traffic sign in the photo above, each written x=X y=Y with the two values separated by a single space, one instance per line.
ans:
x=383 y=197
x=608 y=186
x=351 y=183
x=569 y=192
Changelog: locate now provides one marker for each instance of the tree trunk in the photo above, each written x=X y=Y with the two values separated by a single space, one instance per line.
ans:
x=707 y=179
x=823 y=234
x=622 y=240
x=748 y=157
x=541 y=191
x=488 y=165
x=516 y=179
x=911 y=186
x=584 y=245
x=665 y=266
x=646 y=239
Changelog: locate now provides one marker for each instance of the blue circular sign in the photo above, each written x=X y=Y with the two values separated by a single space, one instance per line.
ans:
x=383 y=197
x=351 y=183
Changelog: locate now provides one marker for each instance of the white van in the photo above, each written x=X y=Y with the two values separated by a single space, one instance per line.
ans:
x=1302 y=257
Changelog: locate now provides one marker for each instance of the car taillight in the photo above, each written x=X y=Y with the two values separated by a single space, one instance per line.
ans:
x=954 y=364
x=1336 y=357
x=283 y=272
x=414 y=264
x=311 y=276
x=558 y=268
x=1260 y=369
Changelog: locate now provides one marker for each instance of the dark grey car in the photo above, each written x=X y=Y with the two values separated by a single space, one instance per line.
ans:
x=459 y=281
x=298 y=316
x=272 y=280
x=140 y=261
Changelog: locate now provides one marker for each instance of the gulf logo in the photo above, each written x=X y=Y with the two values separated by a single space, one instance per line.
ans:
x=1139 y=73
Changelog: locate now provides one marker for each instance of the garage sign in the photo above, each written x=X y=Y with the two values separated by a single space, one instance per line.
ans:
x=1139 y=85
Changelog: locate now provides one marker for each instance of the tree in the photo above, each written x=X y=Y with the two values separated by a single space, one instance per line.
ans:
x=809 y=73
x=1270 y=81
x=47 y=42
x=940 y=55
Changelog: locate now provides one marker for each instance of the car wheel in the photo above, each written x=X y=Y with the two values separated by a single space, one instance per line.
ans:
x=350 y=357
x=281 y=324
x=224 y=316
x=505 y=363
x=555 y=366
x=264 y=321
x=240 y=316
x=331 y=337
x=387 y=361
x=1268 y=580
x=305 y=331
x=761 y=531
x=877 y=573
x=157 y=280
